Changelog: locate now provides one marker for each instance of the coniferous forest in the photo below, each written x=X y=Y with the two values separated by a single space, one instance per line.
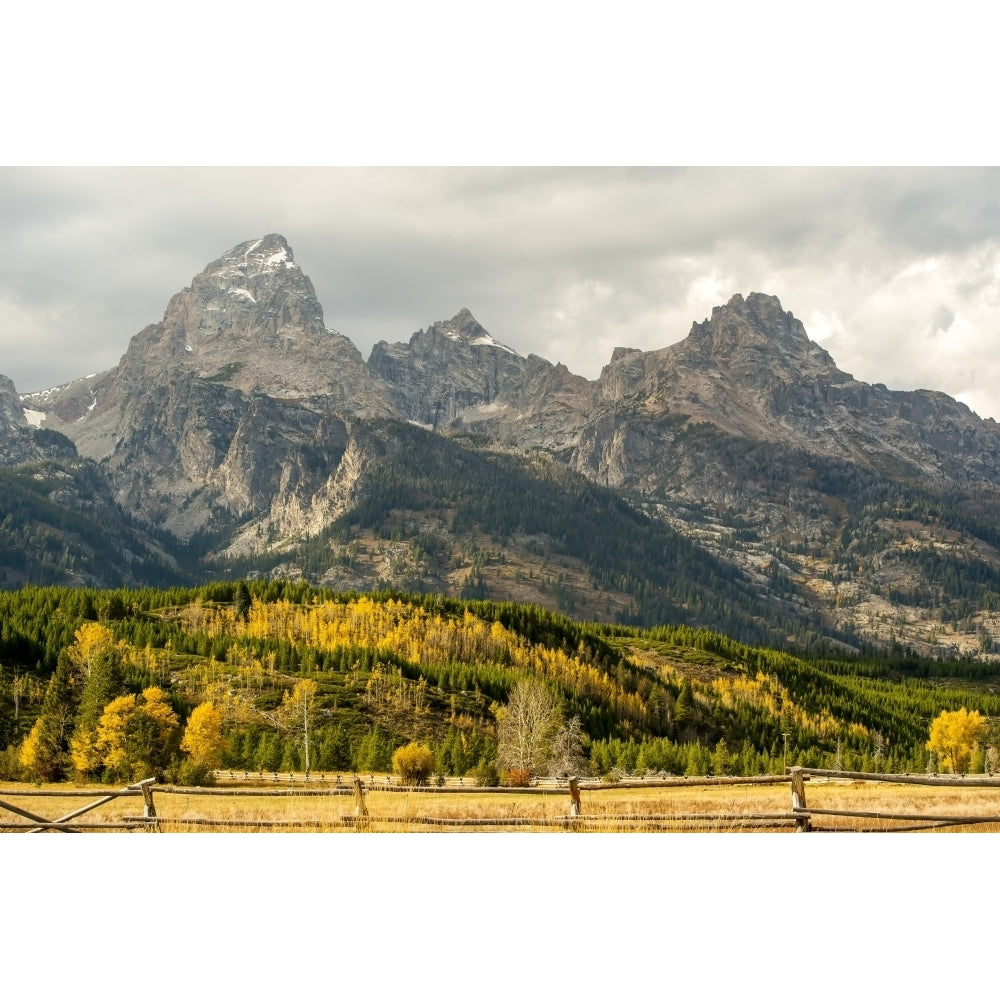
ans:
x=119 y=685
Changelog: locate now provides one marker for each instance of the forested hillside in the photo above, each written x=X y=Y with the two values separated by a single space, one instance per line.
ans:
x=118 y=685
x=58 y=525
x=443 y=515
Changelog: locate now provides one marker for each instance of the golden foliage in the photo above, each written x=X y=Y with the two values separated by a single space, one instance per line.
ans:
x=84 y=752
x=413 y=763
x=91 y=639
x=134 y=734
x=422 y=637
x=29 y=755
x=955 y=736
x=203 y=741
x=297 y=704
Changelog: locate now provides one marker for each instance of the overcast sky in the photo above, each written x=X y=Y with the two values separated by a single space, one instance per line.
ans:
x=895 y=271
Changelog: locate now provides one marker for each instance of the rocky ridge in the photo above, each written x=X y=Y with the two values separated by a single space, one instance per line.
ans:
x=241 y=417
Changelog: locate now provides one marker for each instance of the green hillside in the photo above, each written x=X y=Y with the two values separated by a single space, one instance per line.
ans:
x=104 y=684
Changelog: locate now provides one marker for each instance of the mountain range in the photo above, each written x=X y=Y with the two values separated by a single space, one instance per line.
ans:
x=736 y=479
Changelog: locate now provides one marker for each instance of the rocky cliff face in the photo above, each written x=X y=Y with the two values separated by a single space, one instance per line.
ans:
x=15 y=435
x=19 y=438
x=11 y=411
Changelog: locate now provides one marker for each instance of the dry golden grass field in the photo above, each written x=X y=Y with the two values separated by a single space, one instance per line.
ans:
x=676 y=806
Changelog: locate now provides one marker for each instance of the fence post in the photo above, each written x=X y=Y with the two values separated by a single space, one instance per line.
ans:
x=802 y=824
x=574 y=795
x=360 y=806
x=146 y=787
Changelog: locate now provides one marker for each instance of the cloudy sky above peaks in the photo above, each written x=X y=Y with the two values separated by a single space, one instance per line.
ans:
x=896 y=271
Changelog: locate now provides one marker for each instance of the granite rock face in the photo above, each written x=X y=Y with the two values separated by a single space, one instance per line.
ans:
x=11 y=412
x=446 y=371
x=455 y=376
x=231 y=407
x=20 y=440
x=751 y=372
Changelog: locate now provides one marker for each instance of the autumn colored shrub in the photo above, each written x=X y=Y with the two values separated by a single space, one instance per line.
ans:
x=516 y=777
x=413 y=763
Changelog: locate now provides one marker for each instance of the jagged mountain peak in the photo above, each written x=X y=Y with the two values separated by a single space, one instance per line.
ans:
x=448 y=370
x=756 y=318
x=250 y=319
x=249 y=325
x=755 y=334
x=463 y=327
x=256 y=281
x=266 y=255
x=465 y=323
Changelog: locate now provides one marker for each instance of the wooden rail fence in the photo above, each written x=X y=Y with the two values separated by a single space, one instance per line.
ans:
x=582 y=811
x=887 y=821
x=70 y=823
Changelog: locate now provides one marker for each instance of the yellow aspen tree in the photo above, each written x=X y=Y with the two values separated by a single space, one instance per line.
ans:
x=30 y=753
x=85 y=753
x=112 y=733
x=203 y=741
x=91 y=639
x=955 y=736
x=135 y=734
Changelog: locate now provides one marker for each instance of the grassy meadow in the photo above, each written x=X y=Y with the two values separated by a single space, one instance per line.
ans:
x=606 y=808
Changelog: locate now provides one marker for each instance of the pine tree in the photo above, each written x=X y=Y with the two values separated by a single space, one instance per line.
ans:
x=242 y=601
x=720 y=758
x=45 y=752
x=684 y=705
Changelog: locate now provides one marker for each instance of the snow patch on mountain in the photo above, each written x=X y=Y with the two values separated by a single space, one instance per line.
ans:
x=485 y=340
x=44 y=396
